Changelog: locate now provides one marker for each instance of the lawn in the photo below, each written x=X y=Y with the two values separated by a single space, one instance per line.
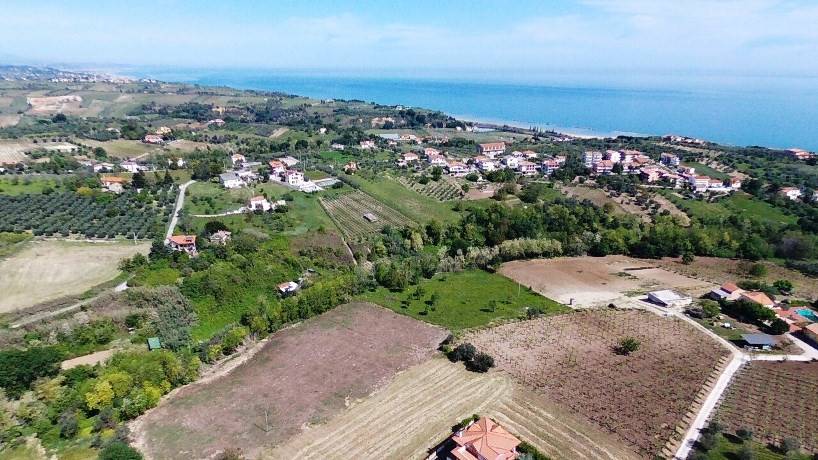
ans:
x=704 y=170
x=728 y=450
x=410 y=203
x=466 y=299
x=212 y=198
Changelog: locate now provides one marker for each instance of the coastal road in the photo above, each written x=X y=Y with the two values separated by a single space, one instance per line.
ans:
x=180 y=201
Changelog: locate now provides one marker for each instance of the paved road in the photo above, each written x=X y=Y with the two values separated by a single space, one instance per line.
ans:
x=180 y=201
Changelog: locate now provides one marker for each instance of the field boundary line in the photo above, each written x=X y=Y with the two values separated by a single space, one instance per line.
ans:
x=343 y=236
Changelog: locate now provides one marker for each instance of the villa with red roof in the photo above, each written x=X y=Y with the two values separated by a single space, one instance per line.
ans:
x=727 y=291
x=183 y=243
x=484 y=440
x=491 y=149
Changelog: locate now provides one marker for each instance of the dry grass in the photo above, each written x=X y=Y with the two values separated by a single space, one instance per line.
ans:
x=303 y=376
x=417 y=409
x=570 y=359
x=48 y=270
x=597 y=280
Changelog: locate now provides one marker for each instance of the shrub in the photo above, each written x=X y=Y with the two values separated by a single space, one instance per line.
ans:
x=463 y=352
x=19 y=368
x=68 y=424
x=530 y=452
x=778 y=327
x=783 y=286
x=745 y=434
x=627 y=345
x=482 y=362
x=758 y=270
x=118 y=450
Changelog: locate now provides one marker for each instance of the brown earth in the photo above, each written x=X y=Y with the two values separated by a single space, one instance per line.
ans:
x=417 y=410
x=597 y=280
x=303 y=376
x=775 y=400
x=570 y=360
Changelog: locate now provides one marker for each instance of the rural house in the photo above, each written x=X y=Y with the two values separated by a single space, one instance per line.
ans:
x=293 y=177
x=277 y=167
x=220 y=238
x=183 y=243
x=727 y=291
x=758 y=297
x=484 y=440
x=259 y=203
x=113 y=183
x=237 y=159
x=230 y=180
x=153 y=139
x=791 y=193
x=668 y=298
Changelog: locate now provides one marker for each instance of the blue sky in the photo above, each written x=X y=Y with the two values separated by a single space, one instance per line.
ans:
x=661 y=37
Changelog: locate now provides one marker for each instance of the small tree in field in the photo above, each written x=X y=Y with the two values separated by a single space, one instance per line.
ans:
x=627 y=345
x=463 y=352
x=481 y=362
x=745 y=434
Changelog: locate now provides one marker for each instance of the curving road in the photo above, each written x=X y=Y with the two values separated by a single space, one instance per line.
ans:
x=180 y=201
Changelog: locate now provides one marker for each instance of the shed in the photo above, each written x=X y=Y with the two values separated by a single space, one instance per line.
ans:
x=669 y=298
x=762 y=341
x=370 y=217
x=154 y=343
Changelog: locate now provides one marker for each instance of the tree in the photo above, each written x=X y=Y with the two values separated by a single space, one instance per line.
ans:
x=463 y=352
x=790 y=445
x=710 y=308
x=779 y=326
x=758 y=270
x=118 y=450
x=783 y=286
x=20 y=368
x=437 y=173
x=68 y=424
x=627 y=345
x=745 y=434
x=138 y=180
x=746 y=452
x=102 y=395
x=482 y=362
x=687 y=258
x=167 y=179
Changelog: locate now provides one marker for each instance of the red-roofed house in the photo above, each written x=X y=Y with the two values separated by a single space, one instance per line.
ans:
x=527 y=168
x=484 y=440
x=758 y=297
x=113 y=183
x=277 y=167
x=183 y=243
x=491 y=149
x=727 y=291
x=604 y=167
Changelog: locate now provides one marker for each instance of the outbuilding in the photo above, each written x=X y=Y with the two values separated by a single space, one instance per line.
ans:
x=668 y=298
x=759 y=341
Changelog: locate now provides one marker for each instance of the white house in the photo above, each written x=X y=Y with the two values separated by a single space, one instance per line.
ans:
x=511 y=162
x=230 y=180
x=289 y=161
x=153 y=139
x=792 y=193
x=669 y=159
x=437 y=160
x=457 y=169
x=668 y=298
x=527 y=168
x=237 y=159
x=293 y=177
x=130 y=166
x=485 y=164
x=337 y=146
x=288 y=287
x=613 y=155
x=367 y=145
x=259 y=203
x=699 y=183
x=277 y=167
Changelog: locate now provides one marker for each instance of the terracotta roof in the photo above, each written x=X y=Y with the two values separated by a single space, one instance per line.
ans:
x=258 y=198
x=183 y=239
x=493 y=145
x=729 y=287
x=758 y=297
x=812 y=328
x=113 y=179
x=488 y=439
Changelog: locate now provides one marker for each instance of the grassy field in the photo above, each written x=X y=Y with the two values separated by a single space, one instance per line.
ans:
x=747 y=206
x=409 y=202
x=123 y=148
x=699 y=209
x=17 y=186
x=704 y=170
x=465 y=300
x=47 y=270
x=727 y=449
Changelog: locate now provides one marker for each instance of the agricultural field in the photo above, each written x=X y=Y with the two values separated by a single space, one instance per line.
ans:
x=467 y=299
x=47 y=270
x=588 y=281
x=123 y=148
x=303 y=376
x=596 y=196
x=704 y=170
x=666 y=375
x=348 y=211
x=15 y=185
x=443 y=190
x=12 y=151
x=101 y=216
x=775 y=400
x=408 y=202
x=747 y=206
x=417 y=409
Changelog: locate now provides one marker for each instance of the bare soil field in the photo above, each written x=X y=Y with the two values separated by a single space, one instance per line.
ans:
x=597 y=280
x=123 y=148
x=47 y=270
x=718 y=271
x=642 y=398
x=9 y=120
x=776 y=400
x=13 y=151
x=54 y=104
x=303 y=376
x=418 y=408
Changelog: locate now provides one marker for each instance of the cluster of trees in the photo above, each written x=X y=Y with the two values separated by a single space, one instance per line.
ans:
x=474 y=360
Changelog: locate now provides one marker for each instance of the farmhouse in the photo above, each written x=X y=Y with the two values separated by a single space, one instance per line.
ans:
x=436 y=160
x=293 y=177
x=368 y=144
x=130 y=166
x=113 y=183
x=668 y=298
x=727 y=291
x=220 y=238
x=183 y=243
x=491 y=149
x=484 y=440
x=757 y=297
x=351 y=167
x=604 y=167
x=791 y=193
x=230 y=180
x=259 y=203
x=237 y=159
x=408 y=157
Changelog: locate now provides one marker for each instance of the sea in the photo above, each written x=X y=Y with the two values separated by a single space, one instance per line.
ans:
x=770 y=111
